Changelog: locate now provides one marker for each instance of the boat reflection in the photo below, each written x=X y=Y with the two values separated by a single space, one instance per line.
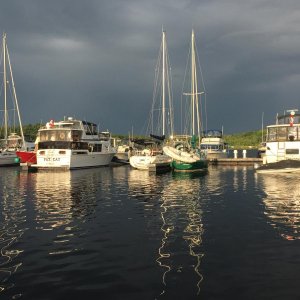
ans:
x=141 y=184
x=63 y=201
x=282 y=203
x=180 y=251
x=176 y=199
x=12 y=227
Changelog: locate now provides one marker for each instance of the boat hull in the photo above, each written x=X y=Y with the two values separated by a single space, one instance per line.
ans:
x=121 y=157
x=182 y=156
x=283 y=166
x=148 y=162
x=8 y=158
x=28 y=157
x=197 y=166
x=69 y=159
x=216 y=155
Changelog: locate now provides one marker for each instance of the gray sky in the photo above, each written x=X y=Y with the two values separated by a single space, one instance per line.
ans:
x=95 y=59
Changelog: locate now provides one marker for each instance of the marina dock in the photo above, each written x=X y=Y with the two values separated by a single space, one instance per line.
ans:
x=249 y=161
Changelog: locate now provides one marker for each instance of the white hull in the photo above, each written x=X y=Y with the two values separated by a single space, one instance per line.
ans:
x=179 y=155
x=213 y=145
x=8 y=159
x=72 y=144
x=216 y=155
x=277 y=171
x=72 y=159
x=146 y=162
x=121 y=156
x=283 y=166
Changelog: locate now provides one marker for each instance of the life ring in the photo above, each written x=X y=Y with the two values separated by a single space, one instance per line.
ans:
x=62 y=135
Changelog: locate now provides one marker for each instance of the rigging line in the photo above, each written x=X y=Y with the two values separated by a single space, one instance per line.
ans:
x=15 y=97
x=204 y=88
x=170 y=91
x=155 y=88
x=182 y=90
x=168 y=82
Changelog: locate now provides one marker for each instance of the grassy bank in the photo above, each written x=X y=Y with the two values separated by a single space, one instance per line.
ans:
x=244 y=140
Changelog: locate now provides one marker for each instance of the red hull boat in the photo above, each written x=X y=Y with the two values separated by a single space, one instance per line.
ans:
x=28 y=157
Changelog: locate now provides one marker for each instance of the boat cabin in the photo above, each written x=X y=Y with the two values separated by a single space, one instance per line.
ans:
x=283 y=138
x=69 y=134
x=287 y=128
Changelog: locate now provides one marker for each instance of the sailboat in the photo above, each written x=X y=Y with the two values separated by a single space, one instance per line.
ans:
x=11 y=142
x=184 y=151
x=150 y=155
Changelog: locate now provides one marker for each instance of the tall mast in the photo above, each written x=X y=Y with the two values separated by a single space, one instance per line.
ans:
x=192 y=85
x=163 y=80
x=15 y=98
x=194 y=88
x=4 y=83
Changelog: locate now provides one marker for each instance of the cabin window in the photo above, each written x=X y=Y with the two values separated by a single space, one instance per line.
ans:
x=95 y=147
x=271 y=134
x=54 y=135
x=282 y=133
x=90 y=128
x=62 y=145
x=292 y=133
x=292 y=151
x=76 y=135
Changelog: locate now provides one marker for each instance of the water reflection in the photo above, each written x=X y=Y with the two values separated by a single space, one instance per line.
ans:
x=179 y=254
x=282 y=203
x=12 y=226
x=176 y=200
x=63 y=201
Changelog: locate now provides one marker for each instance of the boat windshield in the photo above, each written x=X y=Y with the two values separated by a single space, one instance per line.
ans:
x=59 y=135
x=283 y=133
x=212 y=133
x=14 y=141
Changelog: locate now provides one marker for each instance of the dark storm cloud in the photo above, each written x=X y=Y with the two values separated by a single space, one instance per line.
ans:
x=96 y=59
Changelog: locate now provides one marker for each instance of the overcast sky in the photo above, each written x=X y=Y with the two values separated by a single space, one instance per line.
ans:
x=95 y=59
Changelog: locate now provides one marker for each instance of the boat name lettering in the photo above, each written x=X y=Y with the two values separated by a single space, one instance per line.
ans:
x=52 y=159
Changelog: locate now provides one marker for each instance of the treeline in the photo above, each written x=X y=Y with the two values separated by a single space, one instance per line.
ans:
x=250 y=139
x=29 y=130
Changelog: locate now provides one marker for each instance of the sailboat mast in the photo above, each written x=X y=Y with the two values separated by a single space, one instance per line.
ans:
x=163 y=81
x=4 y=83
x=194 y=93
x=193 y=84
x=15 y=98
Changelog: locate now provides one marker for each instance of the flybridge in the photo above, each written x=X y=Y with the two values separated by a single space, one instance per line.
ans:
x=88 y=127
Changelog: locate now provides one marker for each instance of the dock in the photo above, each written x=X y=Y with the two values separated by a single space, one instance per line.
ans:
x=248 y=161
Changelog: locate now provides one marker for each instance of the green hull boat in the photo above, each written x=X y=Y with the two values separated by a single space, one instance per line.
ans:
x=197 y=166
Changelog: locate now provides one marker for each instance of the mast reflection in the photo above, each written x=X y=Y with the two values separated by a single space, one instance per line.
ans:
x=176 y=200
x=179 y=253
x=282 y=203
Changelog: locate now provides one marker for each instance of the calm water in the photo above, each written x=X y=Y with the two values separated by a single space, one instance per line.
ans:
x=118 y=233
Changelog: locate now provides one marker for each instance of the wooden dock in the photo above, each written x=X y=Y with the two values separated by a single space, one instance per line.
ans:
x=249 y=161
